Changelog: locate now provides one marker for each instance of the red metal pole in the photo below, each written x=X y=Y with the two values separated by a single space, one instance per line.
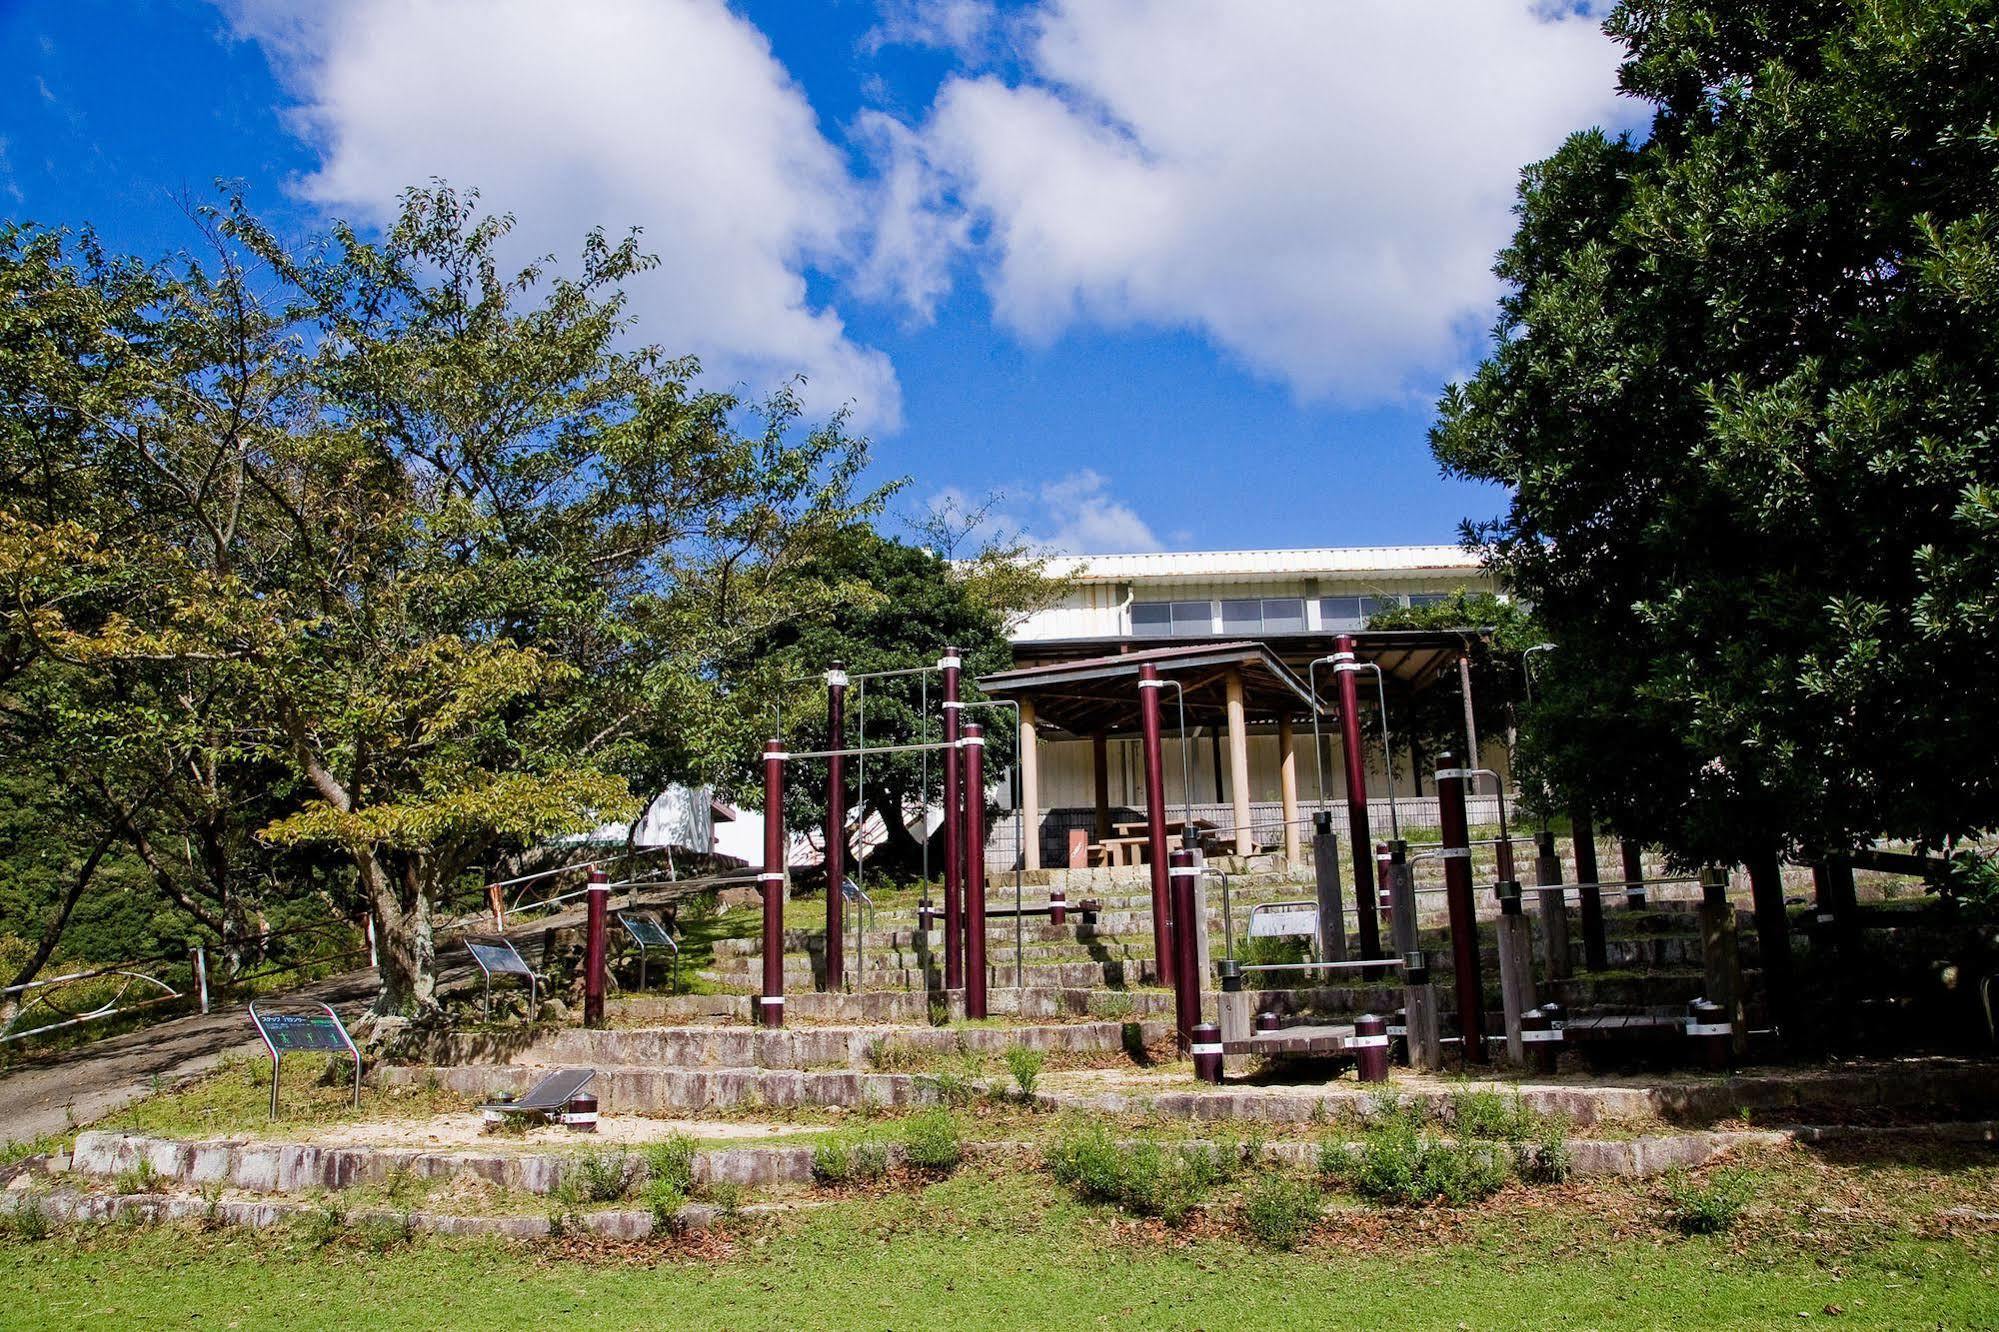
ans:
x=1456 y=854
x=836 y=826
x=1355 y=751
x=598 y=899
x=770 y=1003
x=975 y=871
x=954 y=856
x=1186 y=951
x=1149 y=685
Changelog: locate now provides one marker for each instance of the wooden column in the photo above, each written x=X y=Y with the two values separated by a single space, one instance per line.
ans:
x=1100 y=775
x=1030 y=787
x=1287 y=787
x=1245 y=840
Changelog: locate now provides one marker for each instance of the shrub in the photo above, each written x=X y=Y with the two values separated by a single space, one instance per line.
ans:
x=671 y=1162
x=726 y=1195
x=28 y=1219
x=211 y=1205
x=664 y=1199
x=597 y=1177
x=1547 y=1160
x=1086 y=1158
x=1279 y=1209
x=1397 y=1163
x=1485 y=1113
x=954 y=1089
x=321 y=1225
x=1113 y=1006
x=894 y=1054
x=934 y=1141
x=1696 y=1207
x=850 y=1160
x=139 y=1177
x=1143 y=1178
x=1025 y=1064
x=383 y=1233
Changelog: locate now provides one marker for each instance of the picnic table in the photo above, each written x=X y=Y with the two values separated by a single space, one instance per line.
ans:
x=1141 y=826
x=1134 y=835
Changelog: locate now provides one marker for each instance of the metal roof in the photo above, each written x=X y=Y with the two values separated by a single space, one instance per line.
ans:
x=1101 y=693
x=1346 y=560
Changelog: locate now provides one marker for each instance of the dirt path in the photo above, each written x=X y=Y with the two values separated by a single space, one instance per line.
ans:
x=81 y=1085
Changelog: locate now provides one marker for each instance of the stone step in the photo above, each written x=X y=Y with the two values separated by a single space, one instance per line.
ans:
x=628 y=1089
x=813 y=1047
x=76 y=1206
x=294 y=1167
x=1934 y=1089
x=903 y=1007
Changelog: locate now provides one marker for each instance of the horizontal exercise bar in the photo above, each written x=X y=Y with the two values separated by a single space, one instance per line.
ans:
x=879 y=749
x=1326 y=966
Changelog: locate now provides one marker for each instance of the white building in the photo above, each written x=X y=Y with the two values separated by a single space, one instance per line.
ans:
x=1241 y=630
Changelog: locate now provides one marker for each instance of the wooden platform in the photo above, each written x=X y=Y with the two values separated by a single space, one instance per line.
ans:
x=1625 y=1027
x=1294 y=1042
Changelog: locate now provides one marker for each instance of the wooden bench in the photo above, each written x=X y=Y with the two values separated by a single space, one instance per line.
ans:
x=1303 y=1041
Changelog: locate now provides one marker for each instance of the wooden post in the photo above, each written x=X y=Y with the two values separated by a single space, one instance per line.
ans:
x=1773 y=943
x=1245 y=837
x=836 y=828
x=1326 y=871
x=1721 y=962
x=1419 y=1000
x=1554 y=908
x=1149 y=685
x=1287 y=787
x=1100 y=776
x=1516 y=968
x=1596 y=950
x=1030 y=788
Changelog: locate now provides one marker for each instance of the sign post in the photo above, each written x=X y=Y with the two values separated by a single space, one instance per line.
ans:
x=498 y=957
x=286 y=1033
x=646 y=931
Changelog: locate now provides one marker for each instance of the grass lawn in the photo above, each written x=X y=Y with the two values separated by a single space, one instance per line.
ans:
x=993 y=1248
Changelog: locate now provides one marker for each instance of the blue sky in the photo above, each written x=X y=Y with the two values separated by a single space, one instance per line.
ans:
x=1168 y=273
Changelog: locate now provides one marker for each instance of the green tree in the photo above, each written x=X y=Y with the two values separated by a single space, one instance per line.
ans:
x=1745 y=393
x=1495 y=632
x=429 y=539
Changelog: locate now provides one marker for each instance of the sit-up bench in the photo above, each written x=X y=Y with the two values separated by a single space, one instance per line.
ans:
x=555 y=1099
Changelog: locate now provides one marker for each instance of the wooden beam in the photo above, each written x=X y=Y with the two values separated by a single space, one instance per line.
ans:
x=1100 y=774
x=1287 y=787
x=1030 y=787
x=1245 y=840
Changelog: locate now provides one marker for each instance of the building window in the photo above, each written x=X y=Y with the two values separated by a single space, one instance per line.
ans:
x=1428 y=598
x=1283 y=615
x=1193 y=617
x=1352 y=612
x=1263 y=615
x=1154 y=618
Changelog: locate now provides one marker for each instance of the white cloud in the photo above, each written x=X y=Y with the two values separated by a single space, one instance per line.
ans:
x=965 y=26
x=1318 y=188
x=1081 y=517
x=1075 y=514
x=671 y=115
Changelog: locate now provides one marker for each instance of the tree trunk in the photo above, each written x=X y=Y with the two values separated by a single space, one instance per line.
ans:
x=900 y=853
x=404 y=944
x=52 y=933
